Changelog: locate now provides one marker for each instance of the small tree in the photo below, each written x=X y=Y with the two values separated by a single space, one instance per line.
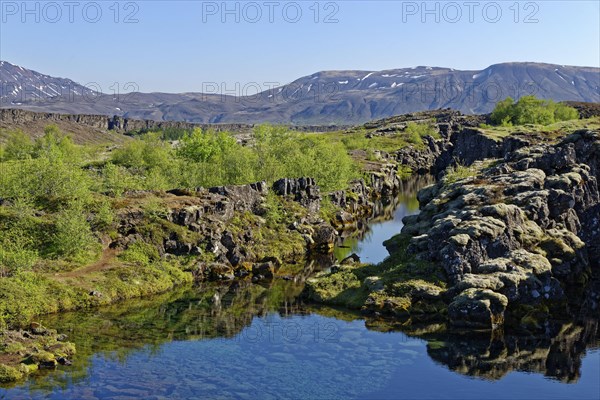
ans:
x=502 y=113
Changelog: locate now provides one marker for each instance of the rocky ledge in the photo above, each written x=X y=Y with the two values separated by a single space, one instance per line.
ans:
x=514 y=240
x=523 y=231
x=250 y=230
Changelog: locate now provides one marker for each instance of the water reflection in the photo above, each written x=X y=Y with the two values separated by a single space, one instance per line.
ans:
x=252 y=341
x=240 y=341
x=367 y=236
x=493 y=355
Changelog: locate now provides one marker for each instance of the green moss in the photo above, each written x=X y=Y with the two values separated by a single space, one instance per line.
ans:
x=14 y=348
x=398 y=306
x=270 y=235
x=60 y=349
x=28 y=369
x=9 y=374
x=339 y=288
x=140 y=253
x=43 y=357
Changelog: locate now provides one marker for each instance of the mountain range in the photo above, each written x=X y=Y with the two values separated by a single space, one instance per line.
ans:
x=326 y=98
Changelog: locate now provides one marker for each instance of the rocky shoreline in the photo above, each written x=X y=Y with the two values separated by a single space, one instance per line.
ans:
x=248 y=233
x=522 y=232
x=225 y=228
x=508 y=236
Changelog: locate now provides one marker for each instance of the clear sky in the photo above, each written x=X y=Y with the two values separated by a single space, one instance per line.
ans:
x=181 y=46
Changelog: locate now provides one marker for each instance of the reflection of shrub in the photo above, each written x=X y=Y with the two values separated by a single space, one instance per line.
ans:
x=530 y=110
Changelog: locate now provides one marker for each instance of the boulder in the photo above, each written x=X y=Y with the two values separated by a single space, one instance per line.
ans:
x=478 y=308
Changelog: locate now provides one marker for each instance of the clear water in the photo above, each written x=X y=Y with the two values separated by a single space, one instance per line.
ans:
x=244 y=341
x=370 y=246
x=385 y=222
x=182 y=350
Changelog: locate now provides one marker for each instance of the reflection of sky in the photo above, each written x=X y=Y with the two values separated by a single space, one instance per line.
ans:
x=370 y=248
x=304 y=357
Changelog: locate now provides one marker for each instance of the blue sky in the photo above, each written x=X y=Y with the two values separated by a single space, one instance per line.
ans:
x=181 y=46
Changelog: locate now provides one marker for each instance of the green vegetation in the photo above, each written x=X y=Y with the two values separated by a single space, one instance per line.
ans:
x=553 y=131
x=530 y=110
x=394 y=286
x=58 y=203
x=458 y=172
x=370 y=140
x=206 y=159
x=414 y=133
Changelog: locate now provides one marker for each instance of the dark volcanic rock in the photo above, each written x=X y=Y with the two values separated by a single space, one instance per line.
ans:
x=302 y=190
x=522 y=232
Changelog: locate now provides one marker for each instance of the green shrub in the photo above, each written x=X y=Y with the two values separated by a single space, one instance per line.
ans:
x=458 y=172
x=140 y=253
x=530 y=110
x=102 y=214
x=55 y=145
x=204 y=146
x=414 y=132
x=15 y=257
x=115 y=180
x=46 y=182
x=20 y=238
x=18 y=146
x=144 y=154
x=72 y=234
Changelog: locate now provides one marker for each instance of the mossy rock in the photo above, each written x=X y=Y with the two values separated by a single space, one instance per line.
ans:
x=10 y=374
x=28 y=369
x=339 y=288
x=14 y=348
x=417 y=288
x=397 y=306
x=44 y=359
x=62 y=349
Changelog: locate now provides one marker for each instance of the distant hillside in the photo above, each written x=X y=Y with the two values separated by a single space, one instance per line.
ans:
x=329 y=97
x=102 y=129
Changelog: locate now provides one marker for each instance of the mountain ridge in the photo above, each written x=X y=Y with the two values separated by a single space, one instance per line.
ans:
x=324 y=97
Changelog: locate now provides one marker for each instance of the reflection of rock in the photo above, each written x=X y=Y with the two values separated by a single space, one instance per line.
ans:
x=383 y=209
x=223 y=311
x=492 y=355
